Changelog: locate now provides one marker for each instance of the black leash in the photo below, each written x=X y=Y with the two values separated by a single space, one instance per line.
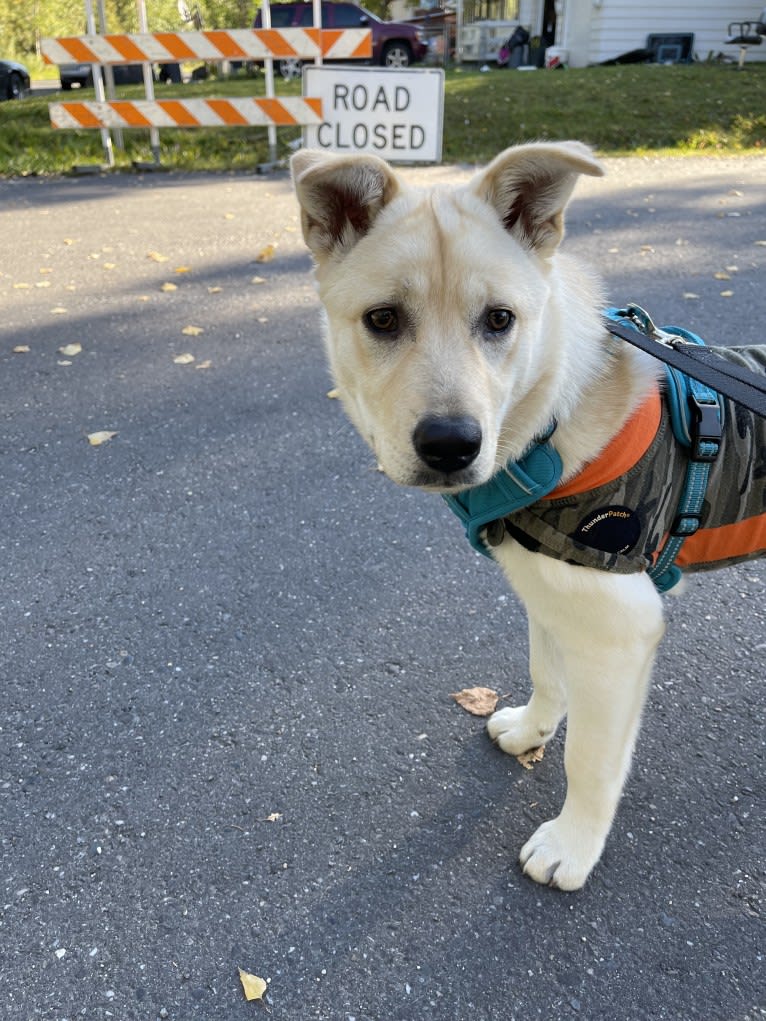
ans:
x=745 y=387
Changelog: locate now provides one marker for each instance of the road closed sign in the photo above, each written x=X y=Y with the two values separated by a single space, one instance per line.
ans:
x=397 y=114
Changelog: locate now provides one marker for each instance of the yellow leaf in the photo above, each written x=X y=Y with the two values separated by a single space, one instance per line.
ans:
x=203 y=365
x=68 y=241
x=528 y=759
x=228 y=216
x=192 y=331
x=156 y=257
x=721 y=276
x=110 y=265
x=21 y=349
x=727 y=294
x=186 y=359
x=22 y=287
x=169 y=287
x=214 y=290
x=274 y=817
x=478 y=701
x=333 y=394
x=58 y=311
x=253 y=985
x=690 y=295
x=70 y=350
x=266 y=254
x=97 y=438
x=183 y=269
x=42 y=283
x=46 y=269
x=258 y=280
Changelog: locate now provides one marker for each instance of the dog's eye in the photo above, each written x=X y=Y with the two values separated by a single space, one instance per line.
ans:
x=499 y=320
x=382 y=320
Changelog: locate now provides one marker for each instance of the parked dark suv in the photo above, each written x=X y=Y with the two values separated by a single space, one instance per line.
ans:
x=394 y=43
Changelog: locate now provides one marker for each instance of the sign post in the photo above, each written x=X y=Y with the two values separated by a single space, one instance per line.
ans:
x=396 y=114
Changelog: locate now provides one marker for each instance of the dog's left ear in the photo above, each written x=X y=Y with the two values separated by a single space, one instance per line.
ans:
x=340 y=197
x=530 y=185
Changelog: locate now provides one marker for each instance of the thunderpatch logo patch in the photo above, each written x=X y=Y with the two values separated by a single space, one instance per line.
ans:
x=613 y=529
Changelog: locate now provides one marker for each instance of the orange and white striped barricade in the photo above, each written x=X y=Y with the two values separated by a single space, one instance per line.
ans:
x=214 y=45
x=187 y=113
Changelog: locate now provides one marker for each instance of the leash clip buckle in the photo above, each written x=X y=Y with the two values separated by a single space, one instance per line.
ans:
x=646 y=325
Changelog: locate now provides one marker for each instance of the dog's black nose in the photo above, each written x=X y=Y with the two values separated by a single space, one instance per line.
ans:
x=449 y=443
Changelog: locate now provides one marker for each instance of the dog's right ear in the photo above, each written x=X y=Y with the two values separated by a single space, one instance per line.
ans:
x=340 y=197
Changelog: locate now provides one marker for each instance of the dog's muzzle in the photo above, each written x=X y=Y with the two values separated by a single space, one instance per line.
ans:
x=447 y=443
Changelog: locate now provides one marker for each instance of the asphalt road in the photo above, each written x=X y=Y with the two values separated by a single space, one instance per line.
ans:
x=226 y=736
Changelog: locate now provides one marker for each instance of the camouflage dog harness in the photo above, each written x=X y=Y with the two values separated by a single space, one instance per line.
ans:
x=623 y=509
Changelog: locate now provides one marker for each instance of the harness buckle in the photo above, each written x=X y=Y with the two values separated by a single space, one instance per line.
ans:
x=705 y=429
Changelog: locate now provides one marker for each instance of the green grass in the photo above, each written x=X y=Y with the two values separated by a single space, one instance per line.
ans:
x=630 y=110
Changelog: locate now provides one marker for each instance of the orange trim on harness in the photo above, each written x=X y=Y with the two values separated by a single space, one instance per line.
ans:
x=711 y=545
x=620 y=454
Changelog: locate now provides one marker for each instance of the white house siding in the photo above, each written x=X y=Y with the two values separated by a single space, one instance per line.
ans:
x=596 y=31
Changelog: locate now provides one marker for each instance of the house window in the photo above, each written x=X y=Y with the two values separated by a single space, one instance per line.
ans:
x=490 y=10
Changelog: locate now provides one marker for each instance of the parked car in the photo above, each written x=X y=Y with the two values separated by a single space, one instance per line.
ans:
x=82 y=75
x=14 y=79
x=394 y=43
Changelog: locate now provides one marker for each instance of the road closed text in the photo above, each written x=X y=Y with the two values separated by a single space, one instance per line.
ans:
x=377 y=111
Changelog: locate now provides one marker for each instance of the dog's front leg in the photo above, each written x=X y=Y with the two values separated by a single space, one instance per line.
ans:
x=607 y=628
x=517 y=729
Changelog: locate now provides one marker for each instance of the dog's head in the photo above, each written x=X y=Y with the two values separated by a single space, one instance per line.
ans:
x=444 y=307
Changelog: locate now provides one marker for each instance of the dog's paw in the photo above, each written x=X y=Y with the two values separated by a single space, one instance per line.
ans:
x=515 y=732
x=556 y=855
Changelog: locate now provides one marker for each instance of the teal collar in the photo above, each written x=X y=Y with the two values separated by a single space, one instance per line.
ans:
x=518 y=485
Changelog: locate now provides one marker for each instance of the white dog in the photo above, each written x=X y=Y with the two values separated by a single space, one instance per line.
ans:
x=460 y=338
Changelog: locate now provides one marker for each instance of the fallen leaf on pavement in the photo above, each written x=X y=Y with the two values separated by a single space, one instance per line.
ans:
x=70 y=350
x=333 y=394
x=528 y=759
x=169 y=287
x=185 y=359
x=253 y=985
x=266 y=254
x=192 y=331
x=203 y=365
x=156 y=257
x=183 y=269
x=97 y=438
x=21 y=349
x=478 y=701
